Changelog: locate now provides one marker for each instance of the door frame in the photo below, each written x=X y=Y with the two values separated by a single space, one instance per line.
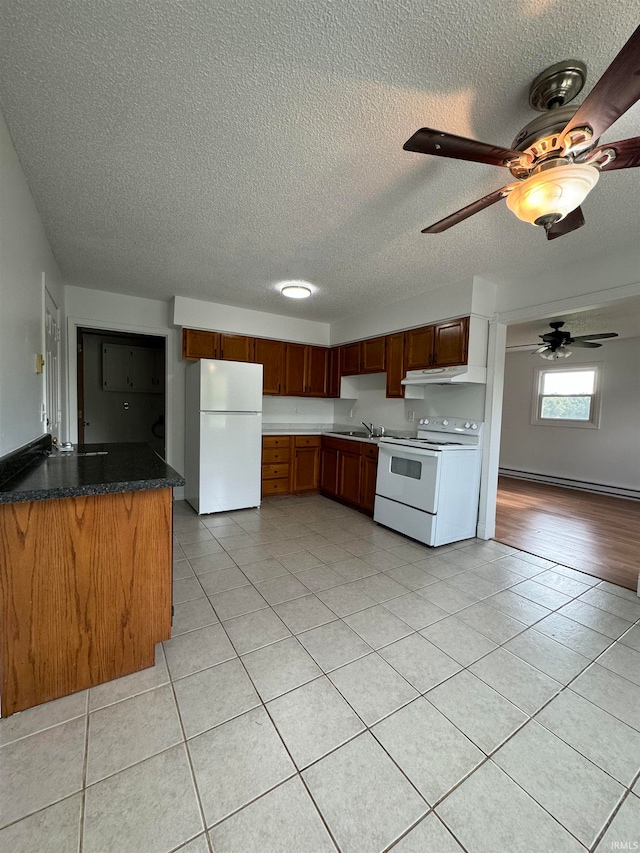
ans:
x=74 y=324
x=52 y=376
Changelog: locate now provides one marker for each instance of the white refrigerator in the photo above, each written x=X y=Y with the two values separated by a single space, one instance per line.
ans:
x=223 y=435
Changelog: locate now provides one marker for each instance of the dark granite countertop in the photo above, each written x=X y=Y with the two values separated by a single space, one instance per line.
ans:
x=90 y=469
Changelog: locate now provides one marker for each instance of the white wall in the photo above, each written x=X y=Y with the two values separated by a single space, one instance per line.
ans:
x=607 y=456
x=24 y=257
x=197 y=314
x=297 y=410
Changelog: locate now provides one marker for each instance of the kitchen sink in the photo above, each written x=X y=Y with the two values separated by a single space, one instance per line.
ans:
x=354 y=433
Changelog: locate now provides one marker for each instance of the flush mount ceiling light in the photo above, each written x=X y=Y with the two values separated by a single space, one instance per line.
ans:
x=295 y=289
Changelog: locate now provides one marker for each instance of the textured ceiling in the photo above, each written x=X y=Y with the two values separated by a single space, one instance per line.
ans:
x=212 y=149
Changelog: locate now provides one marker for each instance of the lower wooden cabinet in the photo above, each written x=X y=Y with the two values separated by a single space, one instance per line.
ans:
x=348 y=471
x=290 y=463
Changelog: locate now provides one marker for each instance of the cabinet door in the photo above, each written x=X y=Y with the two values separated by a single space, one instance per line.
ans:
x=329 y=471
x=350 y=359
x=373 y=355
x=142 y=370
x=349 y=476
x=295 y=370
x=395 y=364
x=450 y=342
x=369 y=471
x=317 y=364
x=116 y=367
x=198 y=344
x=270 y=354
x=236 y=347
x=306 y=463
x=418 y=348
x=333 y=372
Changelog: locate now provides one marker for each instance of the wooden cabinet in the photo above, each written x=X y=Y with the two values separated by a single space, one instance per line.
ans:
x=329 y=467
x=86 y=592
x=270 y=354
x=295 y=371
x=305 y=370
x=333 y=372
x=368 y=477
x=395 y=364
x=373 y=355
x=443 y=344
x=199 y=344
x=418 y=348
x=349 y=464
x=276 y=453
x=451 y=341
x=348 y=471
x=236 y=347
x=350 y=358
x=306 y=463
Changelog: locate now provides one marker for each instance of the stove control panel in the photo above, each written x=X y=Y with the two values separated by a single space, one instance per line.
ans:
x=461 y=426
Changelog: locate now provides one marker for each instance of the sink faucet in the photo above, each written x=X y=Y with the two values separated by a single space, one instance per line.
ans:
x=369 y=428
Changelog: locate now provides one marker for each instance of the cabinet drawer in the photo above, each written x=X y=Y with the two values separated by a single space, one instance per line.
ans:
x=307 y=440
x=273 y=472
x=270 y=455
x=275 y=441
x=370 y=450
x=272 y=487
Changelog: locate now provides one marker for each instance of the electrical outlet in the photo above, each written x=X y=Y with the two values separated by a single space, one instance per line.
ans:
x=295 y=411
x=411 y=416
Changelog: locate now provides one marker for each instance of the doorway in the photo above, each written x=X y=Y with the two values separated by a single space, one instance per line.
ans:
x=121 y=388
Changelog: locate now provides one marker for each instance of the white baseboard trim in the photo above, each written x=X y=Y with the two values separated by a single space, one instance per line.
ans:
x=584 y=486
x=481 y=532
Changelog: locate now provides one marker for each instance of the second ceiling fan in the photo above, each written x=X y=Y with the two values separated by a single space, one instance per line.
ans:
x=554 y=159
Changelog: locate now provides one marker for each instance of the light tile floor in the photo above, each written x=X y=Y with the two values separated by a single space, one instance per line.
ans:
x=333 y=685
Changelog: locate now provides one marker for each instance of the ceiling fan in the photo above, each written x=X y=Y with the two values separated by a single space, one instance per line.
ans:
x=556 y=342
x=555 y=158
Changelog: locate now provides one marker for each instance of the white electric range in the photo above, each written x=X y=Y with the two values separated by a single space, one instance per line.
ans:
x=428 y=487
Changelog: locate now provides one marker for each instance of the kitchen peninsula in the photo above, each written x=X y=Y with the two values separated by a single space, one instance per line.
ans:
x=85 y=567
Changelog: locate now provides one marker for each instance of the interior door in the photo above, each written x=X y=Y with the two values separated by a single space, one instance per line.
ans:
x=53 y=409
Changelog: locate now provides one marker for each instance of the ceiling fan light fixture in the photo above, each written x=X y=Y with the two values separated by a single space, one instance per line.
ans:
x=552 y=192
x=551 y=355
x=295 y=289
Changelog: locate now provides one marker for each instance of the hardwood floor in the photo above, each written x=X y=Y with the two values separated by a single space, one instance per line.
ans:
x=596 y=534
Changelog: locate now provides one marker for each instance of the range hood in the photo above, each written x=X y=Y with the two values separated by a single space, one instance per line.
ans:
x=463 y=374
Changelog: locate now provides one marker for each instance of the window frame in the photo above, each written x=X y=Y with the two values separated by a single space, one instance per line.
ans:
x=536 y=404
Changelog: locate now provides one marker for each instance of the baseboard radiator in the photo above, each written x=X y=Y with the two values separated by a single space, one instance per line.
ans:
x=580 y=485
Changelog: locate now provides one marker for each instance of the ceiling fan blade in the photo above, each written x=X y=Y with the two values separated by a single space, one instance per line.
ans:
x=586 y=344
x=594 y=337
x=616 y=91
x=627 y=154
x=429 y=141
x=466 y=212
x=539 y=350
x=571 y=222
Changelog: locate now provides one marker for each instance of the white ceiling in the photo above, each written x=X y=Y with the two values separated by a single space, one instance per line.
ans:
x=212 y=149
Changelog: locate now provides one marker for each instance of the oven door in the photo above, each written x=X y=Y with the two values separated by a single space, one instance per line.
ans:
x=411 y=477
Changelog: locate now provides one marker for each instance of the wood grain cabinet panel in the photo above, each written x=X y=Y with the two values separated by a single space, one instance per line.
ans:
x=306 y=467
x=329 y=470
x=333 y=372
x=270 y=354
x=86 y=592
x=295 y=372
x=450 y=344
x=200 y=344
x=349 y=464
x=373 y=355
x=369 y=473
x=395 y=364
x=237 y=347
x=350 y=359
x=418 y=348
x=317 y=364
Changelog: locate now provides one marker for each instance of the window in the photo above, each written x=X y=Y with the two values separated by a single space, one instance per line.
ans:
x=567 y=397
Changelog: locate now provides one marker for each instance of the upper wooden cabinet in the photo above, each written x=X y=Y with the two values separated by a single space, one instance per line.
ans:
x=395 y=364
x=333 y=373
x=443 y=344
x=270 y=354
x=418 y=348
x=236 y=347
x=305 y=370
x=350 y=358
x=372 y=354
x=199 y=344
x=451 y=342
